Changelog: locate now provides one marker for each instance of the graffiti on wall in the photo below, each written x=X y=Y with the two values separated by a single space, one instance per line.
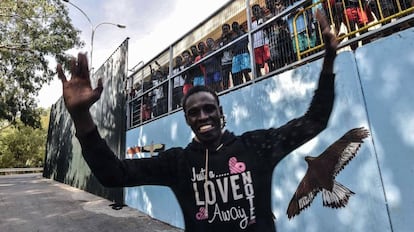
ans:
x=63 y=158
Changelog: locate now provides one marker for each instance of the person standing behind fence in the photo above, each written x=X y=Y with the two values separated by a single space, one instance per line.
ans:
x=275 y=7
x=357 y=14
x=241 y=60
x=260 y=41
x=199 y=70
x=194 y=52
x=146 y=107
x=281 y=45
x=188 y=75
x=212 y=67
x=227 y=54
x=159 y=99
x=178 y=82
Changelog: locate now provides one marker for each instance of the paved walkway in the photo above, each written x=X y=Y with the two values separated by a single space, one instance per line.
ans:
x=31 y=203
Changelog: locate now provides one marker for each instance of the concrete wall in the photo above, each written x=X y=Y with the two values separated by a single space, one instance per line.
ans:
x=373 y=89
x=64 y=161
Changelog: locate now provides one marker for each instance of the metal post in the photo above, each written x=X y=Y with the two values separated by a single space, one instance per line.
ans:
x=93 y=29
x=251 y=44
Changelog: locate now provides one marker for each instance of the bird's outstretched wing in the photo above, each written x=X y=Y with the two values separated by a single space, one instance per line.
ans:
x=342 y=151
x=303 y=197
x=333 y=159
x=338 y=197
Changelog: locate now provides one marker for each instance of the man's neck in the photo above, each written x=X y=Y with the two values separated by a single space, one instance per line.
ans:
x=212 y=146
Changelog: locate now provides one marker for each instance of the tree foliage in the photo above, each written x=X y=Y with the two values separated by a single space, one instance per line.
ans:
x=24 y=146
x=32 y=32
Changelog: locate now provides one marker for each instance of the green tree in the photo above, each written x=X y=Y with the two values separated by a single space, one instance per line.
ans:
x=31 y=33
x=24 y=146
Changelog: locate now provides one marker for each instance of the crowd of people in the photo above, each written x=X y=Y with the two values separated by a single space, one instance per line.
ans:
x=225 y=62
x=220 y=63
x=272 y=48
x=216 y=70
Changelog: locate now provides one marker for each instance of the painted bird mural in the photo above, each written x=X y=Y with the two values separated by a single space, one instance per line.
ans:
x=322 y=171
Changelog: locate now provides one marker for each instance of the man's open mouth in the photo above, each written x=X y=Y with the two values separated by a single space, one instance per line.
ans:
x=205 y=128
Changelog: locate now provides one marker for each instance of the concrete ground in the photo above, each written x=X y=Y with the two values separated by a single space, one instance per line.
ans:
x=31 y=203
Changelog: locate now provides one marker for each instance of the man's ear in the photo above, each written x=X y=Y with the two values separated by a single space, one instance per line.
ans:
x=222 y=118
x=186 y=119
x=187 y=122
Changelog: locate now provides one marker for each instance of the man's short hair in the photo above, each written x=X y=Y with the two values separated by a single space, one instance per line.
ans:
x=186 y=51
x=197 y=89
x=256 y=6
x=225 y=25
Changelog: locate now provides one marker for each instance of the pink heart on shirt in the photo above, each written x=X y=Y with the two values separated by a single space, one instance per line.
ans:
x=202 y=214
x=236 y=167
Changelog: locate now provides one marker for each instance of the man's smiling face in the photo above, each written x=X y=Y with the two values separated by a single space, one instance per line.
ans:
x=203 y=116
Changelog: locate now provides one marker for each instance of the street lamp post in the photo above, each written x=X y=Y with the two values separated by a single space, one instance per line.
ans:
x=93 y=29
x=93 y=35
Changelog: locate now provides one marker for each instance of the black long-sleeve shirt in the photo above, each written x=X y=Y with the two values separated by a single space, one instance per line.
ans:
x=236 y=192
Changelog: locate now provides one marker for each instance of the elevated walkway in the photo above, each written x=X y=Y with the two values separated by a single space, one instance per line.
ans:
x=29 y=202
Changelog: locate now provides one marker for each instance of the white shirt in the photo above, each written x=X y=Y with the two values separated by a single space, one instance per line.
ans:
x=259 y=38
x=178 y=80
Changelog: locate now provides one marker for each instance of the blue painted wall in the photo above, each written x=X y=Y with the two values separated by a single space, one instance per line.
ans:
x=373 y=89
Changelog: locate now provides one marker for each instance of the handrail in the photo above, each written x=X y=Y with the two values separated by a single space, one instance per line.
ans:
x=381 y=20
x=311 y=49
x=8 y=171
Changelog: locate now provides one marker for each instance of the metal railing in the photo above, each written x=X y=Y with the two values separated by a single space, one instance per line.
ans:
x=350 y=20
x=9 y=171
x=290 y=37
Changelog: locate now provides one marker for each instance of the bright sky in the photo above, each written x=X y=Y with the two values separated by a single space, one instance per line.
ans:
x=151 y=26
